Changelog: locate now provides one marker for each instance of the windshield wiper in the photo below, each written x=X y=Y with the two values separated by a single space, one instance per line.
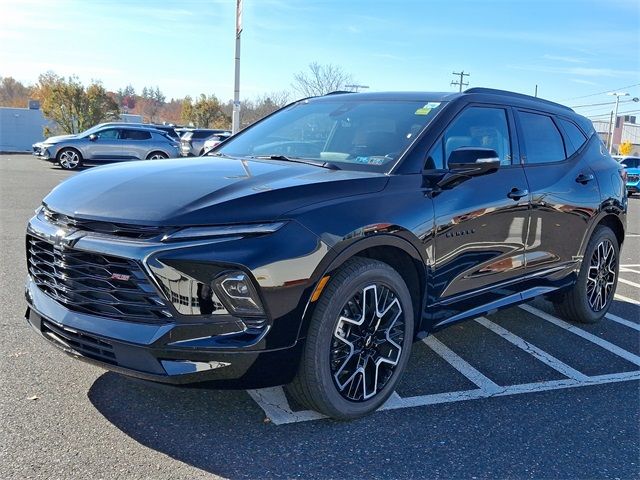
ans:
x=329 y=165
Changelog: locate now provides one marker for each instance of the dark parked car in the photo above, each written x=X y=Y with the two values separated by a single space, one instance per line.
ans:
x=320 y=242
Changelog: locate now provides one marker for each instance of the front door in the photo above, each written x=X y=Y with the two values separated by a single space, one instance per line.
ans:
x=107 y=145
x=481 y=223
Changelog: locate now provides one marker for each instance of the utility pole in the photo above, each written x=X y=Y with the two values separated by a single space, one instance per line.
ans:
x=609 y=133
x=615 y=115
x=536 y=92
x=355 y=88
x=235 y=117
x=461 y=82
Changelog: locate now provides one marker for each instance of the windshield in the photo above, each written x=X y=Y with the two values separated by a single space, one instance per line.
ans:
x=355 y=135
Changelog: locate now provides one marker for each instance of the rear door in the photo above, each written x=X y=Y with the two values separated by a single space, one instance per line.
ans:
x=564 y=191
x=136 y=144
x=481 y=223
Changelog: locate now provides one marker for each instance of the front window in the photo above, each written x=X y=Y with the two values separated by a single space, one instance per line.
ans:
x=352 y=134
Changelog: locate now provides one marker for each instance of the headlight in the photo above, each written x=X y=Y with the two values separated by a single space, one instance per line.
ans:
x=197 y=233
x=236 y=291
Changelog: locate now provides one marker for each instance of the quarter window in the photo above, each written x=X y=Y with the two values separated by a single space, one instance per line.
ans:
x=480 y=127
x=575 y=136
x=542 y=140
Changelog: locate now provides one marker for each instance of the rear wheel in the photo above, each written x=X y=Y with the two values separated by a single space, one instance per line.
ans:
x=358 y=343
x=591 y=296
x=69 y=158
x=156 y=156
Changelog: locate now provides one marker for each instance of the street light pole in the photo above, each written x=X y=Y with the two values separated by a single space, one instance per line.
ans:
x=615 y=115
x=235 y=117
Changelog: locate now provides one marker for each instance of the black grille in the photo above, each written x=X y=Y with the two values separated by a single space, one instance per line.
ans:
x=633 y=177
x=85 y=344
x=109 y=228
x=95 y=284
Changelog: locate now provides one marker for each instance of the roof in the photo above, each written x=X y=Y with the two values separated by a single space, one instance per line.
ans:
x=476 y=93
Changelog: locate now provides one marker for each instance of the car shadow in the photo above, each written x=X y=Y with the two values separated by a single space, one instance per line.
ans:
x=225 y=433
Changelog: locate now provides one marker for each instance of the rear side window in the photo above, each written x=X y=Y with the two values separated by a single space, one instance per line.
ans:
x=542 y=140
x=479 y=127
x=575 y=136
x=135 y=135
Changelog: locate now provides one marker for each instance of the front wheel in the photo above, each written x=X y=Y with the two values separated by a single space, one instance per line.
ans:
x=358 y=343
x=69 y=159
x=591 y=296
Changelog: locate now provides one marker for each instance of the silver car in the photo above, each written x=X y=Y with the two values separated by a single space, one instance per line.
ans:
x=192 y=142
x=107 y=143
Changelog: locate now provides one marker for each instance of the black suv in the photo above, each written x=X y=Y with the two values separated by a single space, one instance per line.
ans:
x=315 y=246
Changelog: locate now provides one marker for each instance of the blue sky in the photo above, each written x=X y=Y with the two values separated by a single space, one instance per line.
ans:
x=570 y=48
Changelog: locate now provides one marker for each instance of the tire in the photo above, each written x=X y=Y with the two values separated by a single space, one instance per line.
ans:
x=157 y=156
x=69 y=158
x=331 y=378
x=591 y=296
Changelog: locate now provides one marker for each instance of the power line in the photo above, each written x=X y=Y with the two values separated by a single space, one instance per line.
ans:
x=601 y=93
x=461 y=82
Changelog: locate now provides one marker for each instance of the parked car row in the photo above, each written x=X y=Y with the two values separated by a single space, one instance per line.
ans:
x=120 y=141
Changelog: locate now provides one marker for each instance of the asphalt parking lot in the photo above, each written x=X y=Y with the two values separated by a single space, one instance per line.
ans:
x=518 y=394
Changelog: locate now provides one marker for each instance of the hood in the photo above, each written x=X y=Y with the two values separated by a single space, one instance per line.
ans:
x=59 y=138
x=203 y=191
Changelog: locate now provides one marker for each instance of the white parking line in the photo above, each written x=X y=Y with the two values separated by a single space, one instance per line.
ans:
x=461 y=365
x=630 y=265
x=616 y=350
x=625 y=269
x=628 y=282
x=622 y=321
x=275 y=405
x=627 y=299
x=540 y=354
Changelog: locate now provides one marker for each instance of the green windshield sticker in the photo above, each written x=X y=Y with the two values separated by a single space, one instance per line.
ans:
x=427 y=108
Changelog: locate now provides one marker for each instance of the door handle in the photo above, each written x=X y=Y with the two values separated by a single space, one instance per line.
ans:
x=584 y=179
x=517 y=193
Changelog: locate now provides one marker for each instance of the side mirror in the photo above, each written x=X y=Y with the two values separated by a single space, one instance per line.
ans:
x=473 y=161
x=467 y=162
x=93 y=137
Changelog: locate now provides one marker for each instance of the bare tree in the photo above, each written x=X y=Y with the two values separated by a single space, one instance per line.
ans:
x=320 y=80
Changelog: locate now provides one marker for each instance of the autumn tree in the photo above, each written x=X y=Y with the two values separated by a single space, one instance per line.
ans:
x=126 y=97
x=73 y=106
x=205 y=112
x=320 y=80
x=625 y=148
x=13 y=93
x=152 y=100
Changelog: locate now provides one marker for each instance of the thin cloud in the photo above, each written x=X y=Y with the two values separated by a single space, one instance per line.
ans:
x=579 y=71
x=564 y=59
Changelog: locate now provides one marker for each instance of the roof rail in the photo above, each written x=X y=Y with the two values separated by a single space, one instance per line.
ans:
x=338 y=92
x=494 y=91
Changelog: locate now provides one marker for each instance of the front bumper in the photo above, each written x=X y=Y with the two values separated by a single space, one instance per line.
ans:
x=182 y=345
x=633 y=187
x=151 y=352
x=43 y=151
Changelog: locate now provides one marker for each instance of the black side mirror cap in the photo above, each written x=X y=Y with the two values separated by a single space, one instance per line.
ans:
x=473 y=161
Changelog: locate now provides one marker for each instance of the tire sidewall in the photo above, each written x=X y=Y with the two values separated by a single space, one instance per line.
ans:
x=602 y=233
x=367 y=275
